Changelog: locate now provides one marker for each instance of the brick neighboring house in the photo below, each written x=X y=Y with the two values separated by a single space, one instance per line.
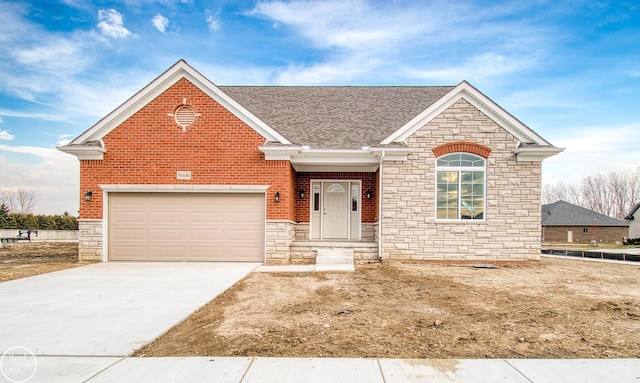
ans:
x=634 y=222
x=187 y=170
x=565 y=222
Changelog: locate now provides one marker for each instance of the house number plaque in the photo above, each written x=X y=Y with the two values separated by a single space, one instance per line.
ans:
x=182 y=175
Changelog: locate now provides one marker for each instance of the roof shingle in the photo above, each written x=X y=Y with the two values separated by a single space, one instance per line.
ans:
x=341 y=117
x=563 y=213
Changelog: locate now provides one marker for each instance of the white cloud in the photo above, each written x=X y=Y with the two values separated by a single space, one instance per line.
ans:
x=347 y=24
x=160 y=22
x=5 y=135
x=592 y=150
x=50 y=178
x=111 y=24
x=436 y=41
x=64 y=139
x=476 y=68
x=332 y=72
x=212 y=21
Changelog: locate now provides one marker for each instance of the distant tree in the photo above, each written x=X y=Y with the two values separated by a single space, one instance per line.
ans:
x=19 y=201
x=4 y=217
x=26 y=221
x=46 y=222
x=613 y=194
x=66 y=222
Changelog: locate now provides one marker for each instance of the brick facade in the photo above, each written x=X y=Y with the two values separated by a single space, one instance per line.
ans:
x=606 y=234
x=511 y=230
x=150 y=147
x=218 y=149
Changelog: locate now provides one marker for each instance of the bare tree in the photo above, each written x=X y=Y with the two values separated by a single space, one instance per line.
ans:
x=19 y=201
x=613 y=194
x=561 y=192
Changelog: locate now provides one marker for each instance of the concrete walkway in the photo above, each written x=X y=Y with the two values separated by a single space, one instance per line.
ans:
x=321 y=370
x=107 y=309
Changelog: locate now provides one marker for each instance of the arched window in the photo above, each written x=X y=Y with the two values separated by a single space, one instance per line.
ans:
x=460 y=179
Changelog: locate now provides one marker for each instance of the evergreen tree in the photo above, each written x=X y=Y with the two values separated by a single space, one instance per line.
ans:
x=4 y=217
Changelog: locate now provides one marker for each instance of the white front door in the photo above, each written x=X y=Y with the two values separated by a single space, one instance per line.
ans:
x=335 y=214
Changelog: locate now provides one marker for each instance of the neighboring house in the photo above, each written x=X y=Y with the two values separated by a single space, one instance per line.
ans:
x=565 y=222
x=187 y=170
x=634 y=222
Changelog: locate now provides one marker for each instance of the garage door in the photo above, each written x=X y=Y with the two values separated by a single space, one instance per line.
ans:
x=186 y=227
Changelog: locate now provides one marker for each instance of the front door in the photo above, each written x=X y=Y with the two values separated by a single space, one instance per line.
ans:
x=335 y=214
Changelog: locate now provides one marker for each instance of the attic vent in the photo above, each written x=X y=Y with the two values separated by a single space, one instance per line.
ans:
x=185 y=116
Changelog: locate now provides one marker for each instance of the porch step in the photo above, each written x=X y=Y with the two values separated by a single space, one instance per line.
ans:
x=334 y=257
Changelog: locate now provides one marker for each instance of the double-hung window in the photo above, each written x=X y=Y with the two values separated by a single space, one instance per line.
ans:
x=461 y=184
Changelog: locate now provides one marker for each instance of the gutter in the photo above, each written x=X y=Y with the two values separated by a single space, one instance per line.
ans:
x=380 y=207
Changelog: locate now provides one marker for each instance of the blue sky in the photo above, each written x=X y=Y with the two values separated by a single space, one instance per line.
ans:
x=570 y=70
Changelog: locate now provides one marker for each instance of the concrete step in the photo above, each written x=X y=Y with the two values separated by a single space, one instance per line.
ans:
x=334 y=256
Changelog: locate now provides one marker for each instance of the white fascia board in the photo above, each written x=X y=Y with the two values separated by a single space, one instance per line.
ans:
x=475 y=98
x=302 y=157
x=84 y=152
x=276 y=153
x=392 y=154
x=163 y=82
x=365 y=168
x=536 y=154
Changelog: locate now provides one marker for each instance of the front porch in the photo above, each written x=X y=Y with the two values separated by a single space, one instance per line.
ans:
x=289 y=243
x=306 y=252
x=334 y=211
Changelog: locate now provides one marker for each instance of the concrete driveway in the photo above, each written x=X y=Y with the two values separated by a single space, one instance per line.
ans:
x=107 y=309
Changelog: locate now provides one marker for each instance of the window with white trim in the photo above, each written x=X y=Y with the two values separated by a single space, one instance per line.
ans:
x=460 y=185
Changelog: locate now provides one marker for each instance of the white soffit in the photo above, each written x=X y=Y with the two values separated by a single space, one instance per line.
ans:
x=163 y=82
x=477 y=99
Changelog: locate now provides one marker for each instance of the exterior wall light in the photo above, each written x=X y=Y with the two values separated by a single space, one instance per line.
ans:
x=87 y=196
x=277 y=197
x=369 y=193
x=301 y=193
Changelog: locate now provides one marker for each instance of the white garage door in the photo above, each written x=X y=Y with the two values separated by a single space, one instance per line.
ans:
x=186 y=227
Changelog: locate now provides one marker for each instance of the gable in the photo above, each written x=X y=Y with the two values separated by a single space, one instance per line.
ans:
x=153 y=132
x=89 y=144
x=532 y=147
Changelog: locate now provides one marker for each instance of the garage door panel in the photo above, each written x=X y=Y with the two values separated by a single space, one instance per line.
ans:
x=207 y=235
x=207 y=217
x=167 y=236
x=186 y=227
x=129 y=233
x=129 y=252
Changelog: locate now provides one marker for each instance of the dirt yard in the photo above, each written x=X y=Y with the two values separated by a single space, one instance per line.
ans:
x=554 y=309
x=25 y=259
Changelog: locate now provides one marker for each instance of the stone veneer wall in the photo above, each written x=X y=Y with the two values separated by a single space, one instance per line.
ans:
x=90 y=239
x=512 y=227
x=634 y=227
x=279 y=236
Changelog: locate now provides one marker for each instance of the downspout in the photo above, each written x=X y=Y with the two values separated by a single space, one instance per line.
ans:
x=380 y=209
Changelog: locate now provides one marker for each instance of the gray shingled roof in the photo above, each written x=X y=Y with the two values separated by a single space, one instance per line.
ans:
x=563 y=213
x=632 y=213
x=341 y=117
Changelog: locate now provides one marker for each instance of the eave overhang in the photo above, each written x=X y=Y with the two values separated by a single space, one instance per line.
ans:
x=306 y=159
x=536 y=154
x=89 y=151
